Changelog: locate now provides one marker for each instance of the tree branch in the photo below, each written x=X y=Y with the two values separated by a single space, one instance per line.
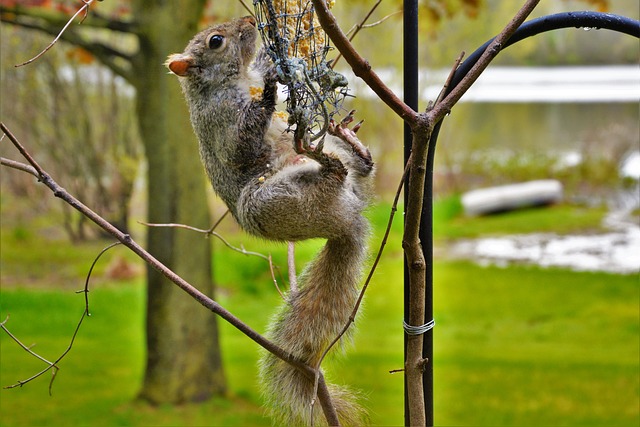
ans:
x=417 y=267
x=106 y=54
x=127 y=241
x=416 y=261
x=53 y=366
x=94 y=20
x=360 y=66
x=241 y=249
x=19 y=166
x=443 y=108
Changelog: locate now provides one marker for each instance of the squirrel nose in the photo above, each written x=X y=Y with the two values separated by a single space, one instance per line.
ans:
x=250 y=19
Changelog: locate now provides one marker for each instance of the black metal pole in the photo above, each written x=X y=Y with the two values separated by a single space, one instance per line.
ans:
x=411 y=93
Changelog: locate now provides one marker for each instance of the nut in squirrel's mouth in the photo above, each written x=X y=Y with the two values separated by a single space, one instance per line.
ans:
x=179 y=64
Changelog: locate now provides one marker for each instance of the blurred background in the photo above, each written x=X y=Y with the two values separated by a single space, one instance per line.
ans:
x=536 y=309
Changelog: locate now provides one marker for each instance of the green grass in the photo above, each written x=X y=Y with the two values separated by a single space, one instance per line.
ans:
x=536 y=347
x=450 y=222
x=528 y=347
x=513 y=346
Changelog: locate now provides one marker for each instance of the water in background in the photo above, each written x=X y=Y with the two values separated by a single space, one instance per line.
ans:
x=578 y=124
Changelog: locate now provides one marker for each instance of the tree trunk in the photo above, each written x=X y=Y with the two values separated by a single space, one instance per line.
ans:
x=183 y=359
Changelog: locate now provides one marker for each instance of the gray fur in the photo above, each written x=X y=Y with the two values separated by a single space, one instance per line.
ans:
x=276 y=193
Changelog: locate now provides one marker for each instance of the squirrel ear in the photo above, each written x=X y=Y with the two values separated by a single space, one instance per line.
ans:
x=179 y=64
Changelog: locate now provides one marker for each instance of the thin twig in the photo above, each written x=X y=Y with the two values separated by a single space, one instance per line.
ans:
x=19 y=166
x=373 y=24
x=382 y=20
x=247 y=8
x=53 y=366
x=242 y=250
x=84 y=8
x=356 y=29
x=354 y=32
x=217 y=223
x=359 y=65
x=447 y=82
x=383 y=243
x=273 y=277
x=209 y=232
x=291 y=266
x=24 y=347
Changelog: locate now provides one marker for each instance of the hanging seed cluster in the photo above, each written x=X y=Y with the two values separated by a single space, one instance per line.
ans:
x=298 y=46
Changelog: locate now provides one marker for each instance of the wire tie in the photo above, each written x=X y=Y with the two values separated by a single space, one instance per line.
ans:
x=418 y=330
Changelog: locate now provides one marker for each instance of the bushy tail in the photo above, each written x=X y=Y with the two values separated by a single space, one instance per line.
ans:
x=307 y=323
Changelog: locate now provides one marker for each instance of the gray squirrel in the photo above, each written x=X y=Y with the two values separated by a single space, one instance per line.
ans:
x=283 y=190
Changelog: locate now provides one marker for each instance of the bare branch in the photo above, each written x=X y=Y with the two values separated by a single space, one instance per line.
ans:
x=53 y=366
x=127 y=241
x=24 y=347
x=111 y=57
x=447 y=82
x=444 y=107
x=217 y=223
x=417 y=269
x=374 y=266
x=84 y=9
x=380 y=21
x=356 y=29
x=19 y=166
x=361 y=66
x=242 y=250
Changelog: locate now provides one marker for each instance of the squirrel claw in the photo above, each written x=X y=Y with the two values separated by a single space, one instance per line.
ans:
x=347 y=119
x=334 y=129
x=357 y=127
x=316 y=152
x=303 y=146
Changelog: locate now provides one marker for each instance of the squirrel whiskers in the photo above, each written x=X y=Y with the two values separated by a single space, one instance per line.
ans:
x=284 y=190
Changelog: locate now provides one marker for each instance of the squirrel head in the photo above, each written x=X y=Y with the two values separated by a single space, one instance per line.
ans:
x=218 y=53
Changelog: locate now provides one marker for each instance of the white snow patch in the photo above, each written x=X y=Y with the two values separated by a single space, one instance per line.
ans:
x=617 y=251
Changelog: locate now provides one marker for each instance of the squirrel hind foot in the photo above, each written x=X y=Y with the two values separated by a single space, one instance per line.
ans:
x=348 y=135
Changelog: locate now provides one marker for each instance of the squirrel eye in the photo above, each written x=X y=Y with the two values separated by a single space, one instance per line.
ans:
x=215 y=41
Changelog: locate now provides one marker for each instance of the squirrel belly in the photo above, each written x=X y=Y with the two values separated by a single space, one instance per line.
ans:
x=280 y=193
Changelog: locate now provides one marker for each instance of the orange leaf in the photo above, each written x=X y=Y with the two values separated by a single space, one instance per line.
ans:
x=81 y=56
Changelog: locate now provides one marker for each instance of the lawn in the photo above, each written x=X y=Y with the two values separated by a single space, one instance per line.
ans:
x=513 y=346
